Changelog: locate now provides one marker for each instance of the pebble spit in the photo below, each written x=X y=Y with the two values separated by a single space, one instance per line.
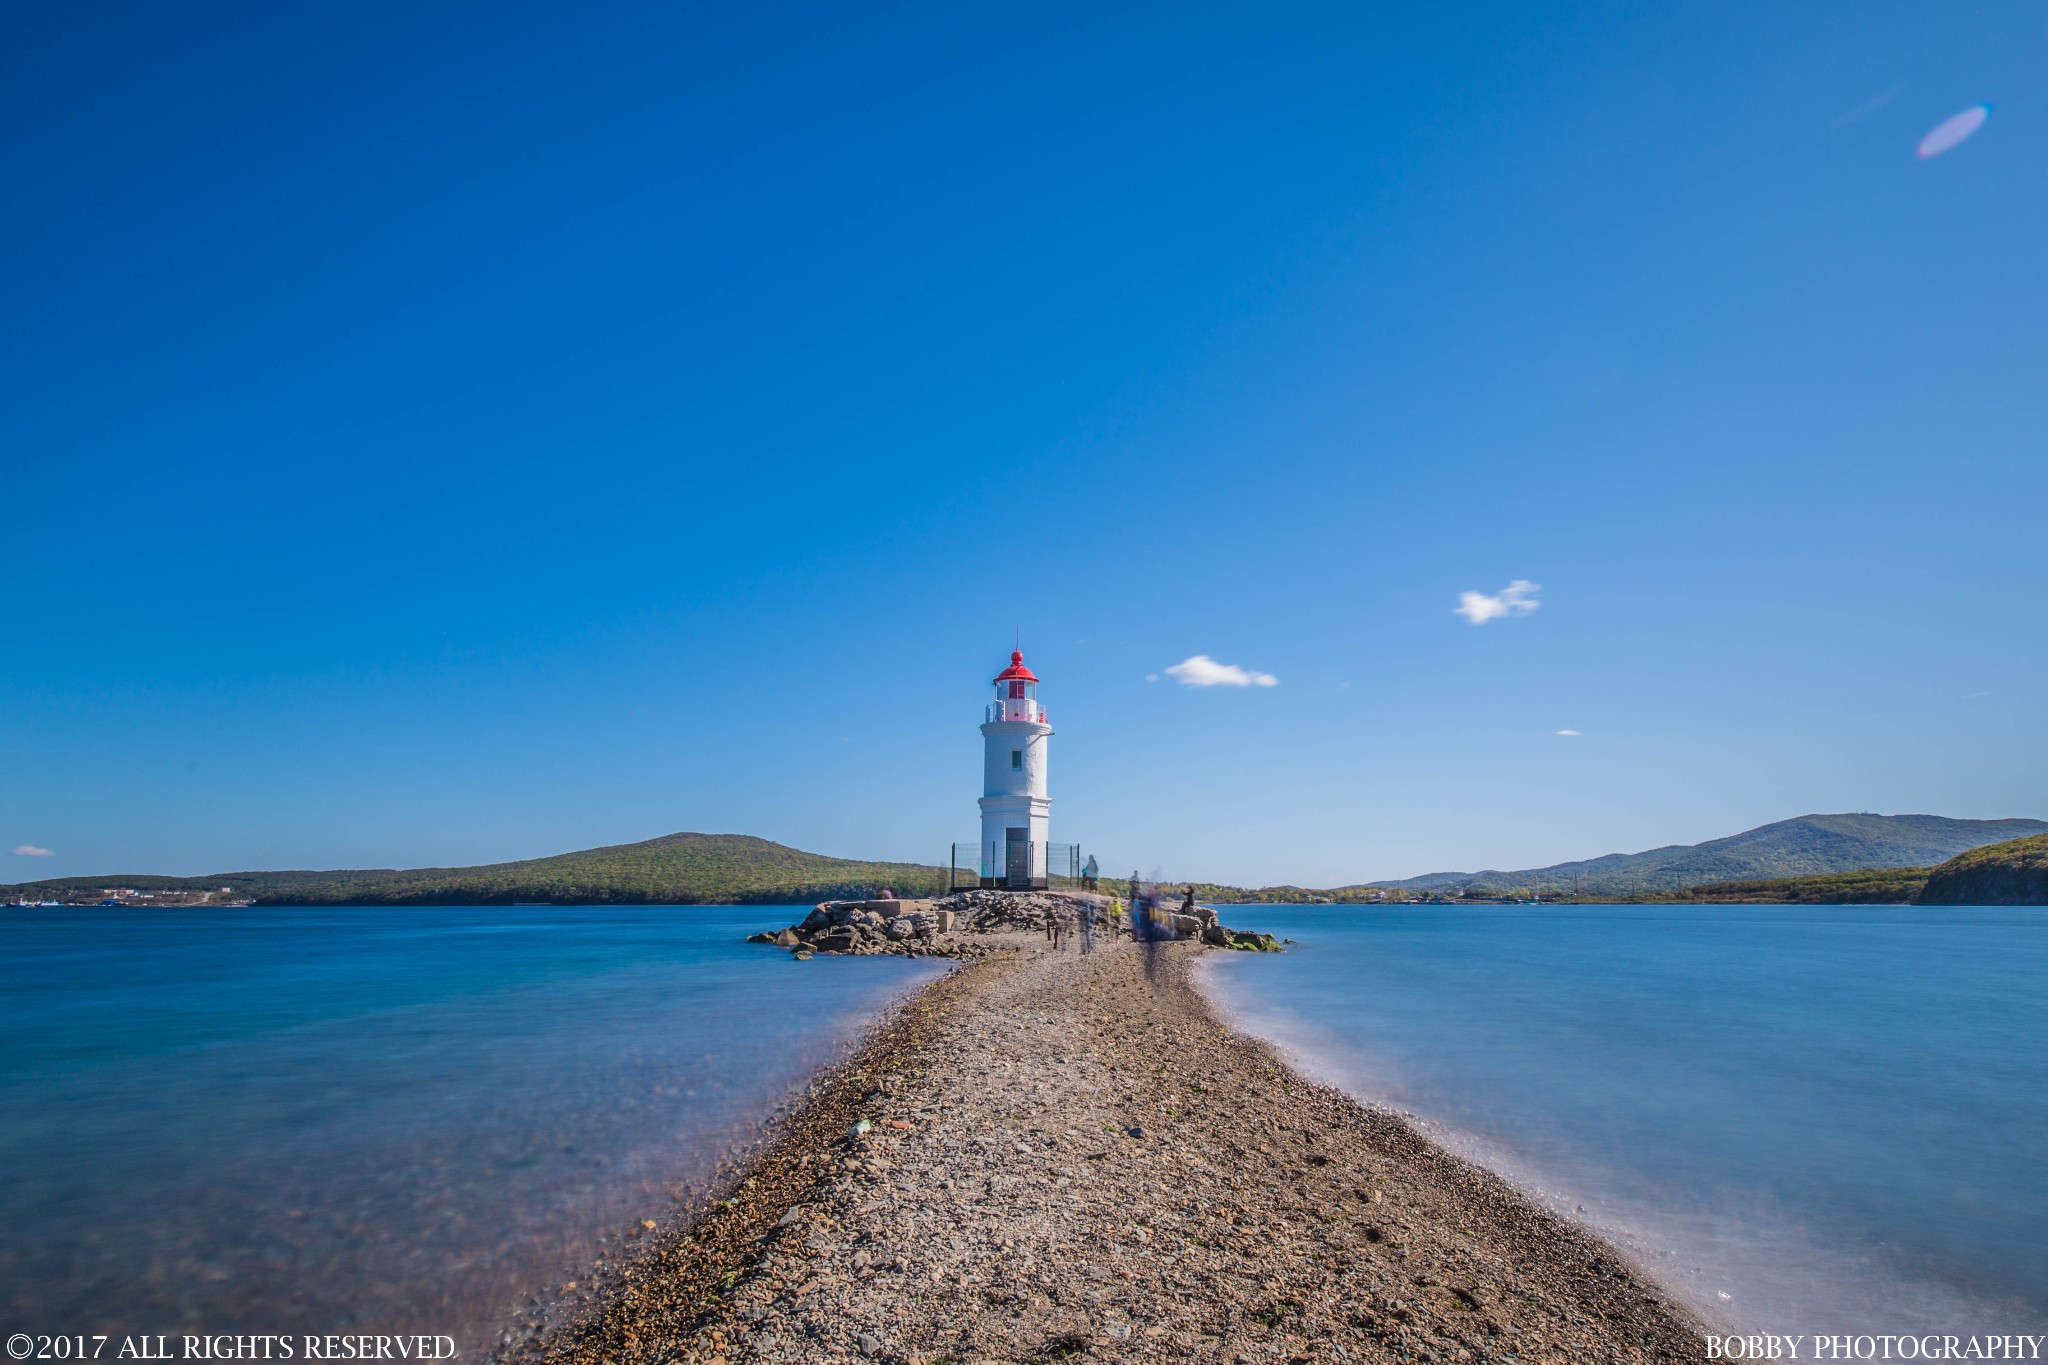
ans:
x=1051 y=1156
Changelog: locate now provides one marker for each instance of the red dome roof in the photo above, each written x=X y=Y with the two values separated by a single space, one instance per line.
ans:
x=1016 y=669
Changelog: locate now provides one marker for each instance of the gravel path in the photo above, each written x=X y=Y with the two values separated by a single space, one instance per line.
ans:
x=1071 y=1158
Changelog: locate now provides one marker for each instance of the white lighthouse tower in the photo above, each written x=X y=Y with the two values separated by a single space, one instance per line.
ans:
x=1016 y=814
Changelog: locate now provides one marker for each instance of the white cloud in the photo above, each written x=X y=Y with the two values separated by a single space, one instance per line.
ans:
x=1202 y=671
x=31 y=851
x=1574 y=734
x=1151 y=677
x=1516 y=599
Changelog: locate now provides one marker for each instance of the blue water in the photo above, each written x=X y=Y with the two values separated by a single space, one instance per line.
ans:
x=380 y=1119
x=1803 y=1119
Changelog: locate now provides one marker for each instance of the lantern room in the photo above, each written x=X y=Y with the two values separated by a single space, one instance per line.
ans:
x=1017 y=693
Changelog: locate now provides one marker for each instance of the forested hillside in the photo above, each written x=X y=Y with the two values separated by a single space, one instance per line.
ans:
x=1808 y=846
x=677 y=869
x=2014 y=873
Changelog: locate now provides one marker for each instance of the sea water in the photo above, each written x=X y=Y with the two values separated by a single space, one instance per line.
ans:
x=379 y=1120
x=1799 y=1118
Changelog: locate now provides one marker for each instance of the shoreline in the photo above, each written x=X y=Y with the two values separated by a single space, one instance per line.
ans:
x=1079 y=1157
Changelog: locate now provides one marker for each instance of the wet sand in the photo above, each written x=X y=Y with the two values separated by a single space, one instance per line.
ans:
x=1072 y=1157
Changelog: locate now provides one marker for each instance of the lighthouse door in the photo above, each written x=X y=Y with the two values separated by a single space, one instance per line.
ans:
x=1017 y=859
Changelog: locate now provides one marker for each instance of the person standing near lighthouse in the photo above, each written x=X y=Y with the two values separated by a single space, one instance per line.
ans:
x=1016 y=813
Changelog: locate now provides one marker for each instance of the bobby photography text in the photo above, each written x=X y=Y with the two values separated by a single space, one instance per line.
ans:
x=1875 y=1346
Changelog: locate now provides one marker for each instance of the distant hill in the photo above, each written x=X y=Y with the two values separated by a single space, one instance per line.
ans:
x=1815 y=858
x=2014 y=873
x=677 y=869
x=1809 y=846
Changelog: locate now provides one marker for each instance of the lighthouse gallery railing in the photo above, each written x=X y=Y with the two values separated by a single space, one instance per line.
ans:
x=1015 y=710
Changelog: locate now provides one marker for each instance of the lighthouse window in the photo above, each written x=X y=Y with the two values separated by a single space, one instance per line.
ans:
x=1016 y=758
x=1017 y=691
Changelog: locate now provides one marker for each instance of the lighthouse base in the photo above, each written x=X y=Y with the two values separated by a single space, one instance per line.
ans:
x=1023 y=864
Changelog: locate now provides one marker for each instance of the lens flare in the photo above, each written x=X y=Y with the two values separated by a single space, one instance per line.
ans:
x=1951 y=131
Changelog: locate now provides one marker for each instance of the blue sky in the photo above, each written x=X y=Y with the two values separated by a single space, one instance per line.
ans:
x=438 y=434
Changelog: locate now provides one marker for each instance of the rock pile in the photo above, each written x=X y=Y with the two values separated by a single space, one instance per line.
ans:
x=960 y=925
x=963 y=923
x=894 y=926
x=1011 y=912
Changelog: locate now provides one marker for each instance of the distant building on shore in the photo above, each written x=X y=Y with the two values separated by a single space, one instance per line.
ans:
x=1016 y=813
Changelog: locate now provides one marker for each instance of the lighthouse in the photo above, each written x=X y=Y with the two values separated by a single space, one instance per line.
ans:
x=1016 y=814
